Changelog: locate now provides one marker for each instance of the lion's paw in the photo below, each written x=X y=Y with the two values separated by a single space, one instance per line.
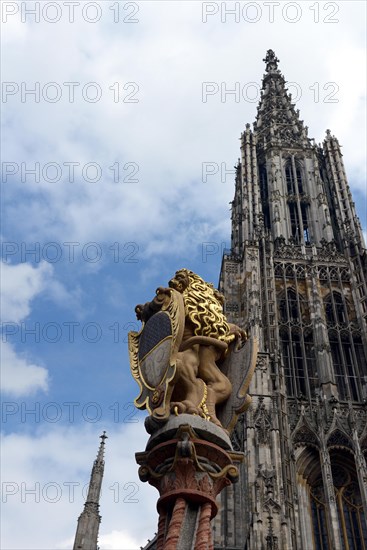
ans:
x=177 y=407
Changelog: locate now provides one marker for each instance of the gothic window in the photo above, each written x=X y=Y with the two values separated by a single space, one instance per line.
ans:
x=299 y=180
x=334 y=309
x=294 y=365
x=347 y=356
x=352 y=521
x=298 y=210
x=306 y=231
x=288 y=307
x=294 y=312
x=316 y=519
x=297 y=345
x=318 y=509
x=293 y=178
x=352 y=517
x=289 y=271
x=294 y=219
x=289 y=179
x=352 y=526
x=358 y=348
x=278 y=270
x=299 y=231
x=264 y=194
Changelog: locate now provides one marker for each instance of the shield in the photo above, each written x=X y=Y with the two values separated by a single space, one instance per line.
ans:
x=153 y=353
x=239 y=367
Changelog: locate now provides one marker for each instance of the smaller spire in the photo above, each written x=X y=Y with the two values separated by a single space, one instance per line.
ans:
x=271 y=61
x=88 y=523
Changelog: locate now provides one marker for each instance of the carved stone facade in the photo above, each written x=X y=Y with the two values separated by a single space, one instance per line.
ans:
x=296 y=276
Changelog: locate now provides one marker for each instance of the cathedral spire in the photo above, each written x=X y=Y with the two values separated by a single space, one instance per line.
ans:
x=88 y=523
x=277 y=122
x=296 y=276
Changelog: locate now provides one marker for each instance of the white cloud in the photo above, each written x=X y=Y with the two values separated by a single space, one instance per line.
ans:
x=21 y=283
x=170 y=132
x=49 y=463
x=70 y=299
x=19 y=375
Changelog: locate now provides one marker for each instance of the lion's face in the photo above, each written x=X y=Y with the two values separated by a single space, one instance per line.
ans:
x=180 y=281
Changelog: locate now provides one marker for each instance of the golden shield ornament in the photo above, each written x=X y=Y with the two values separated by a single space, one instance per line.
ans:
x=153 y=352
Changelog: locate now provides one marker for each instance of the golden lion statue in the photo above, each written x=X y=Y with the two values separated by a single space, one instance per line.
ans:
x=197 y=385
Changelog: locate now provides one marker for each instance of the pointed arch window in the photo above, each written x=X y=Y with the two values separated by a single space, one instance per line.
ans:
x=297 y=204
x=318 y=510
x=264 y=193
x=352 y=521
x=290 y=179
x=352 y=517
x=294 y=219
x=294 y=366
x=299 y=179
x=289 y=308
x=345 y=348
x=352 y=526
x=297 y=345
x=294 y=178
x=335 y=311
x=305 y=226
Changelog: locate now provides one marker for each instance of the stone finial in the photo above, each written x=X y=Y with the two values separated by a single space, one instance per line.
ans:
x=271 y=61
x=100 y=454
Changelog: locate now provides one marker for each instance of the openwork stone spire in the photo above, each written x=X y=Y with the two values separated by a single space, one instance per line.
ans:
x=277 y=121
x=86 y=537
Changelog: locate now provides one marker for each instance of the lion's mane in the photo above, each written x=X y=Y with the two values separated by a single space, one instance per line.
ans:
x=203 y=308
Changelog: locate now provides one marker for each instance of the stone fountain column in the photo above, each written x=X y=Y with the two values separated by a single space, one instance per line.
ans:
x=189 y=460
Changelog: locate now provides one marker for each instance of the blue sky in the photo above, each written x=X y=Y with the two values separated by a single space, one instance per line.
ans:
x=118 y=135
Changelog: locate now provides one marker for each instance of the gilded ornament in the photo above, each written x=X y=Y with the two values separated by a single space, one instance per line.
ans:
x=188 y=358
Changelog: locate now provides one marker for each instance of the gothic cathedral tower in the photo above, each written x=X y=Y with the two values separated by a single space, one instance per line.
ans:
x=296 y=275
